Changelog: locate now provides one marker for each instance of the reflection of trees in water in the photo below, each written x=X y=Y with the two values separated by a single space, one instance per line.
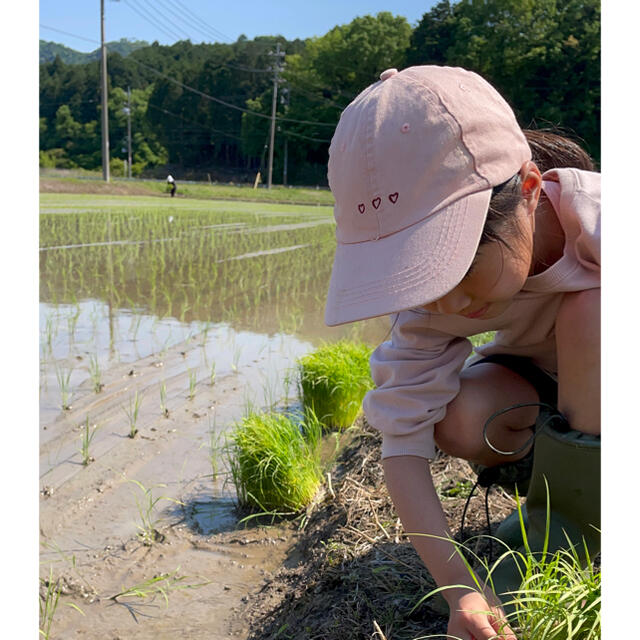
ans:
x=192 y=266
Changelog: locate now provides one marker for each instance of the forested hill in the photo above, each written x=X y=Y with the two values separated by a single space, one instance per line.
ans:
x=204 y=109
x=49 y=51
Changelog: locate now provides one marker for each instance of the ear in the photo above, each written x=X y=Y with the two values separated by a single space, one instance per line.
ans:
x=531 y=181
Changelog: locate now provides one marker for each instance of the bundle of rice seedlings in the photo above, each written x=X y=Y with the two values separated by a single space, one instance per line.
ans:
x=275 y=461
x=559 y=596
x=334 y=380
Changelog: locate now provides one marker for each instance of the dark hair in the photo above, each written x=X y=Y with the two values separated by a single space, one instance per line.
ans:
x=549 y=151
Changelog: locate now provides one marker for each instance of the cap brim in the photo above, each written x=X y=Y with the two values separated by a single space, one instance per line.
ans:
x=409 y=268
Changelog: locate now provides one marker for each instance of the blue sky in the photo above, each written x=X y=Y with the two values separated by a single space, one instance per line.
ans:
x=207 y=20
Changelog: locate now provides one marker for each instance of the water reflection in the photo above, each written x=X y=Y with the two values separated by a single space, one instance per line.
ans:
x=119 y=283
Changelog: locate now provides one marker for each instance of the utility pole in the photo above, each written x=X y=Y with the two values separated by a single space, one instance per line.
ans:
x=129 y=130
x=276 y=69
x=105 y=106
x=284 y=100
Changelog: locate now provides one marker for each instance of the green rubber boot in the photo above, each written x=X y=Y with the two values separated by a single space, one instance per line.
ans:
x=570 y=462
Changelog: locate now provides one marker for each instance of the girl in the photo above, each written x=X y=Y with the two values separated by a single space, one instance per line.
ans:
x=445 y=220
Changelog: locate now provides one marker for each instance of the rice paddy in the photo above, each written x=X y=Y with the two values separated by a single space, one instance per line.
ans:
x=173 y=334
x=121 y=278
x=162 y=324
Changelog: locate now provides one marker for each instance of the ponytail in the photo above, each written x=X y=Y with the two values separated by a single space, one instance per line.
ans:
x=552 y=151
x=549 y=151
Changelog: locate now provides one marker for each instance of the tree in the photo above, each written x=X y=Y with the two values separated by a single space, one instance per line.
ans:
x=542 y=55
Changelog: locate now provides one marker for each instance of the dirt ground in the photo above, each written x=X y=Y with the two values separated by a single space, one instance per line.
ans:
x=358 y=576
x=333 y=573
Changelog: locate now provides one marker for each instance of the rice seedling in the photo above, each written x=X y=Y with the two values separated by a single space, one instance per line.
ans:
x=132 y=413
x=64 y=376
x=161 y=584
x=334 y=380
x=50 y=332
x=163 y=399
x=72 y=321
x=95 y=373
x=237 y=350
x=275 y=461
x=559 y=597
x=212 y=373
x=192 y=384
x=86 y=438
x=149 y=522
x=215 y=448
x=48 y=603
x=49 y=596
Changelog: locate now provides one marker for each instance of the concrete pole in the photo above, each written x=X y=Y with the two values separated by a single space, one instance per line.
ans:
x=105 y=106
x=276 y=68
x=129 y=129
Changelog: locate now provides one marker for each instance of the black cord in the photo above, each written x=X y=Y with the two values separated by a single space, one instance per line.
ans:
x=553 y=415
x=464 y=511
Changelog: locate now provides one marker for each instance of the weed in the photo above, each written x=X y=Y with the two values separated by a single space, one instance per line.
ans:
x=460 y=489
x=275 y=462
x=87 y=437
x=334 y=380
x=132 y=413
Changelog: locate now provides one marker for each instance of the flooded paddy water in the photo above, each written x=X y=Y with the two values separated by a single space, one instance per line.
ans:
x=170 y=319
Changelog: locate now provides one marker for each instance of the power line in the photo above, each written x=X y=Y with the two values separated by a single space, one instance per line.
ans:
x=152 y=21
x=66 y=33
x=201 y=21
x=192 y=24
x=228 y=104
x=207 y=96
x=172 y=27
x=191 y=122
x=299 y=135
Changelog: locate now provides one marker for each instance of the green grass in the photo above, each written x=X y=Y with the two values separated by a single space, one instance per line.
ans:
x=275 y=461
x=334 y=380
x=204 y=190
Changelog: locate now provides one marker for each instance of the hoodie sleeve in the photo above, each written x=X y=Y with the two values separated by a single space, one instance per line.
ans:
x=417 y=373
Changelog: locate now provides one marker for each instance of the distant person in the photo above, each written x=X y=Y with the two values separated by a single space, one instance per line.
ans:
x=172 y=183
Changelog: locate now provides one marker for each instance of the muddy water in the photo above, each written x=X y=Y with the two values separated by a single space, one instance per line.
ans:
x=198 y=310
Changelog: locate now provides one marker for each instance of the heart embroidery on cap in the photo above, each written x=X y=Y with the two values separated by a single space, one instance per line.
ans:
x=393 y=197
x=361 y=208
x=376 y=202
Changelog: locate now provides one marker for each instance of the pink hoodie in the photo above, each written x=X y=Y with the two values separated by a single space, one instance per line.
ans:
x=417 y=371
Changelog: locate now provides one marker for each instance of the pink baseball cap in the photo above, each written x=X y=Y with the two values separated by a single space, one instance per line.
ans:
x=412 y=165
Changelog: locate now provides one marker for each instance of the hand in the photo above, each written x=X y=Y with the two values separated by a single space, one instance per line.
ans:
x=465 y=624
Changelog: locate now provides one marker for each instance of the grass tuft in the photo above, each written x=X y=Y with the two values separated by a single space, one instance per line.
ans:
x=334 y=380
x=275 y=461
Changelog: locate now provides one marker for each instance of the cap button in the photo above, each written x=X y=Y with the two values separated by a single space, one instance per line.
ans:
x=385 y=75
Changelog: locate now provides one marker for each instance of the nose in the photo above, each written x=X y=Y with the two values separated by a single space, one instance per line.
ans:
x=454 y=302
